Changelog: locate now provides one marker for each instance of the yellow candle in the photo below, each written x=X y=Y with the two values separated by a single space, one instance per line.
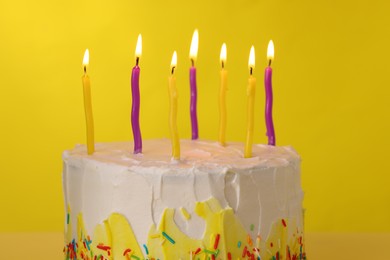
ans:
x=222 y=97
x=251 y=90
x=88 y=105
x=173 y=110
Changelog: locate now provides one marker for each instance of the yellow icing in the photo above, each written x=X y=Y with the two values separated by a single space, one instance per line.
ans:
x=114 y=236
x=122 y=237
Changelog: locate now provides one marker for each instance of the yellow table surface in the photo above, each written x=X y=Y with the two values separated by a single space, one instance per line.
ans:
x=329 y=246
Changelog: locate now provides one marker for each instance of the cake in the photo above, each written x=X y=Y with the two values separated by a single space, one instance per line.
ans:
x=212 y=204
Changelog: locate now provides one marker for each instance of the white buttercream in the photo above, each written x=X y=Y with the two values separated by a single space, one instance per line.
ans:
x=259 y=189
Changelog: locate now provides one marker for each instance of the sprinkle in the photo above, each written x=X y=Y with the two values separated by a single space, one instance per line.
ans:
x=128 y=250
x=284 y=223
x=155 y=236
x=229 y=256
x=67 y=218
x=146 y=249
x=185 y=213
x=271 y=244
x=244 y=251
x=103 y=247
x=163 y=241
x=197 y=251
x=168 y=237
x=136 y=257
x=252 y=227
x=87 y=243
x=239 y=244
x=208 y=251
x=249 y=240
x=216 y=241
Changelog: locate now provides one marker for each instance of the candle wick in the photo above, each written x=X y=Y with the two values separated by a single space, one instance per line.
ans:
x=269 y=62
x=251 y=70
x=136 y=61
x=192 y=62
x=85 y=69
x=173 y=70
x=223 y=64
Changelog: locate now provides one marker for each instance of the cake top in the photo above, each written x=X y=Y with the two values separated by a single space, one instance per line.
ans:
x=194 y=154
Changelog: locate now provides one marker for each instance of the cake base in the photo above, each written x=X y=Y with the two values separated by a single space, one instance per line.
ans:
x=212 y=204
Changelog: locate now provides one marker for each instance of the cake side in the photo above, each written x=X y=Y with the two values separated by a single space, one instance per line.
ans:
x=251 y=201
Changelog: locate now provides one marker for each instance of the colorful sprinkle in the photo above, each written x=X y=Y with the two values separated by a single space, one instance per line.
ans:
x=146 y=249
x=103 y=247
x=135 y=257
x=244 y=251
x=208 y=251
x=216 y=241
x=168 y=237
x=87 y=243
x=249 y=240
x=229 y=256
x=128 y=250
x=239 y=244
x=284 y=223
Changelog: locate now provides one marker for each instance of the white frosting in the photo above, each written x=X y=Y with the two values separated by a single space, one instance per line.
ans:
x=260 y=189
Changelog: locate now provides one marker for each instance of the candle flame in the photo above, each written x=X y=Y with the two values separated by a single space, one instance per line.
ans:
x=251 y=61
x=194 y=45
x=138 y=49
x=270 y=51
x=173 y=61
x=86 y=60
x=223 y=54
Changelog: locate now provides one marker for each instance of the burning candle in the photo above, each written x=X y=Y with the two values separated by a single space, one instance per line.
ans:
x=88 y=105
x=268 y=95
x=251 y=90
x=193 y=87
x=136 y=99
x=173 y=110
x=222 y=96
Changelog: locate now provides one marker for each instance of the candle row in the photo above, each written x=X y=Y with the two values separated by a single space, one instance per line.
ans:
x=193 y=101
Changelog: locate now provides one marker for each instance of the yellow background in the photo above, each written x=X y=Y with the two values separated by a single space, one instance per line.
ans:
x=331 y=93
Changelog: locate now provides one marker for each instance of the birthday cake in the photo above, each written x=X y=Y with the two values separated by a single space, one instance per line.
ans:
x=212 y=204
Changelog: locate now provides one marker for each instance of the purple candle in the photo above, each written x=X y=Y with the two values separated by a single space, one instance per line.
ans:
x=268 y=96
x=193 y=87
x=136 y=99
